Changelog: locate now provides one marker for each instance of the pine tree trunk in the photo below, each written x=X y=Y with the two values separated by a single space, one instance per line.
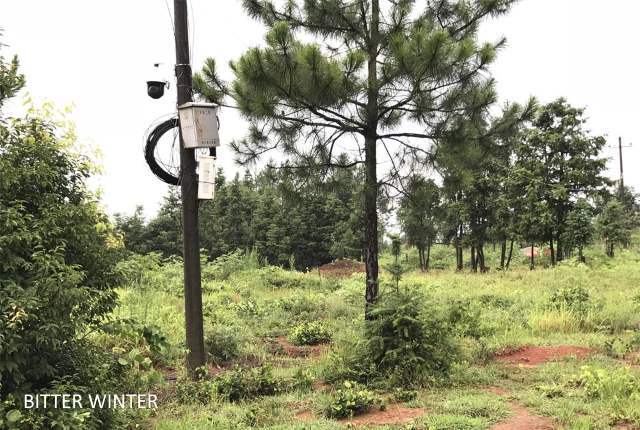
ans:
x=371 y=225
x=426 y=262
x=371 y=182
x=553 y=255
x=474 y=261
x=532 y=263
x=481 y=263
x=559 y=249
x=421 y=257
x=581 y=255
x=510 y=255
x=459 y=259
x=503 y=253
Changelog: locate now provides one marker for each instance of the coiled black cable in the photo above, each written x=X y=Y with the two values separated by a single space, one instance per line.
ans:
x=150 y=147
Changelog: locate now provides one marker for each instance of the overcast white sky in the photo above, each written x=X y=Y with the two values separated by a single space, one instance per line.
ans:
x=98 y=55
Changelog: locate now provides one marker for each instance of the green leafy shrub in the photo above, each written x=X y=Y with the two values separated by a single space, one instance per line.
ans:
x=350 y=400
x=138 y=334
x=302 y=307
x=499 y=302
x=191 y=390
x=404 y=395
x=618 y=347
x=574 y=298
x=606 y=384
x=465 y=317
x=310 y=333
x=223 y=343
x=277 y=277
x=302 y=380
x=224 y=266
x=241 y=383
x=406 y=343
x=58 y=253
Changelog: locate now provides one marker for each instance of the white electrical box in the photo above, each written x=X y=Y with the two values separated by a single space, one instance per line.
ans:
x=206 y=177
x=199 y=125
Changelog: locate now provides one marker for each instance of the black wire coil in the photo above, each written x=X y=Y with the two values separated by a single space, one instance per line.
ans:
x=149 y=151
x=150 y=147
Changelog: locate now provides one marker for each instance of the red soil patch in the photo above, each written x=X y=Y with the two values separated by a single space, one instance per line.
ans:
x=341 y=268
x=281 y=345
x=533 y=355
x=393 y=414
x=523 y=420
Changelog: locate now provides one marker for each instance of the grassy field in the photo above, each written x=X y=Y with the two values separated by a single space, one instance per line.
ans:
x=259 y=378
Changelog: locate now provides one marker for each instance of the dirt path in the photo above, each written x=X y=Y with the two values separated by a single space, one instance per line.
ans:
x=522 y=419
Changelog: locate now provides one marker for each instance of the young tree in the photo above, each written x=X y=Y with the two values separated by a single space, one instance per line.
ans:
x=418 y=213
x=376 y=75
x=579 y=229
x=57 y=268
x=164 y=231
x=568 y=158
x=612 y=227
x=134 y=230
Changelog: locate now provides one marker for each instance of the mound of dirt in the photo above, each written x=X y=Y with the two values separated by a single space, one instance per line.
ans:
x=341 y=268
x=535 y=355
x=393 y=414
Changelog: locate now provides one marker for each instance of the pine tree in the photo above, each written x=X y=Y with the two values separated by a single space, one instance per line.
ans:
x=418 y=214
x=611 y=226
x=579 y=229
x=370 y=71
x=567 y=158
x=11 y=80
x=134 y=230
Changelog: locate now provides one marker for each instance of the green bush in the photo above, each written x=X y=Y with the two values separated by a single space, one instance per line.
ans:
x=310 y=333
x=406 y=343
x=58 y=254
x=191 y=390
x=575 y=298
x=404 y=395
x=277 y=277
x=224 y=266
x=223 y=343
x=138 y=334
x=606 y=384
x=350 y=400
x=241 y=383
x=302 y=307
x=465 y=317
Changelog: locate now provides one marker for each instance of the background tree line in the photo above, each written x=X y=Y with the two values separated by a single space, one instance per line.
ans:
x=290 y=216
x=544 y=186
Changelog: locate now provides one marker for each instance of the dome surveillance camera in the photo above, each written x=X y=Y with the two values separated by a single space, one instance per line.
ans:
x=155 y=89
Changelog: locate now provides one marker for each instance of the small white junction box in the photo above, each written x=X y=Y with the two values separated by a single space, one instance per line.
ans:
x=206 y=177
x=199 y=125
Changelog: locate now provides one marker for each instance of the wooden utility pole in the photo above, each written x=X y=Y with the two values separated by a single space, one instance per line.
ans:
x=621 y=171
x=189 y=188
